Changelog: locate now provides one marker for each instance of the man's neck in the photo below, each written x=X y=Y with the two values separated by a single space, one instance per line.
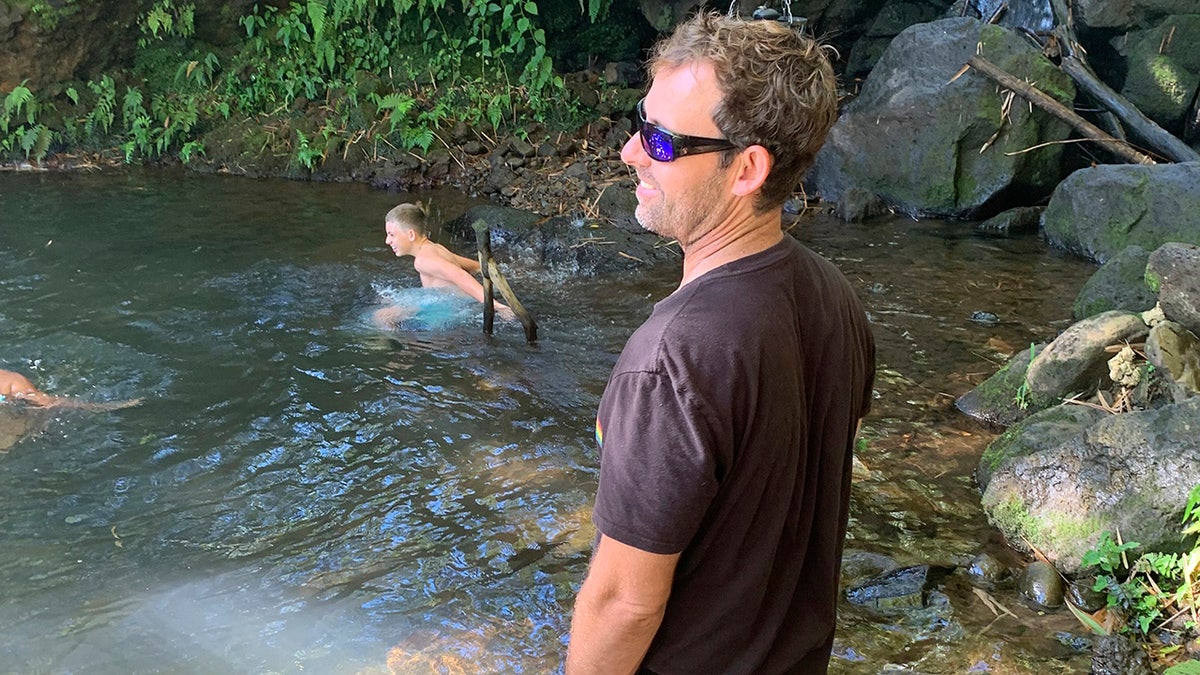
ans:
x=733 y=239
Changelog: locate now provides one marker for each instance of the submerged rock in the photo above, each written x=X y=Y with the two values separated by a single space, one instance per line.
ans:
x=1041 y=584
x=895 y=591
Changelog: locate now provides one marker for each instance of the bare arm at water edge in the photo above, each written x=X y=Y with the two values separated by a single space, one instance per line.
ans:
x=19 y=388
x=619 y=608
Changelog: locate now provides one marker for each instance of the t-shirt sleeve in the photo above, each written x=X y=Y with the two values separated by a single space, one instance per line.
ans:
x=657 y=472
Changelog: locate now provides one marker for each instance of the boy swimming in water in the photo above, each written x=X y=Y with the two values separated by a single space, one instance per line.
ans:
x=438 y=266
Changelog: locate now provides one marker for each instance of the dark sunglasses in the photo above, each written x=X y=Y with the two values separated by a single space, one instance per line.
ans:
x=666 y=146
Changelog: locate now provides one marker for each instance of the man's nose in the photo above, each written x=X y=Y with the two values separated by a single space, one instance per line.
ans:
x=632 y=152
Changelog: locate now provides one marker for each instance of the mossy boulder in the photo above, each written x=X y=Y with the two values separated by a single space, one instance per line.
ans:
x=948 y=148
x=1099 y=211
x=1130 y=473
x=1043 y=430
x=1118 y=284
x=1164 y=69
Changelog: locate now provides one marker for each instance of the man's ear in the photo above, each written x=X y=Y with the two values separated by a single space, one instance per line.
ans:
x=411 y=234
x=753 y=165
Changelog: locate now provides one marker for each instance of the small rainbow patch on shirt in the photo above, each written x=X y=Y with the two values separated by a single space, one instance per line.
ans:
x=599 y=434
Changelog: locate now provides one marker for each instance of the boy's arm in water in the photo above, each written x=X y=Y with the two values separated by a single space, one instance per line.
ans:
x=18 y=388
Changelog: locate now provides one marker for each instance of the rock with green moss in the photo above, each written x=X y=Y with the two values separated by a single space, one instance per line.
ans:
x=1118 y=284
x=1099 y=211
x=951 y=147
x=1174 y=271
x=1076 y=362
x=1004 y=398
x=1043 y=430
x=1174 y=352
x=1164 y=68
x=1130 y=473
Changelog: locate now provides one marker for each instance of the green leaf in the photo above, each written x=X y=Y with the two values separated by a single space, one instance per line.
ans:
x=531 y=7
x=1086 y=619
x=1184 y=668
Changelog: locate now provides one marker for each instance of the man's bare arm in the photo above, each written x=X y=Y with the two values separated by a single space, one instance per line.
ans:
x=619 y=608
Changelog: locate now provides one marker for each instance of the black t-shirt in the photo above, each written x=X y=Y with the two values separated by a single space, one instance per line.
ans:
x=726 y=431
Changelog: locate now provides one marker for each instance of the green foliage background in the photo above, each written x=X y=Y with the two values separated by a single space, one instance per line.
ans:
x=313 y=78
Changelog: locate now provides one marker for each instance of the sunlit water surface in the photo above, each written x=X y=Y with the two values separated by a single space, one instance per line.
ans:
x=303 y=491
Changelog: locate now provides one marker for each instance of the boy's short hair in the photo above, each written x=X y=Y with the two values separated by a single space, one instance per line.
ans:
x=409 y=216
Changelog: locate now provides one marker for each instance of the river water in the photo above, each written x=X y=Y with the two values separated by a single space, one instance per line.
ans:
x=301 y=491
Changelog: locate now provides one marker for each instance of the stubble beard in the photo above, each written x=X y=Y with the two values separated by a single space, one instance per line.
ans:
x=686 y=217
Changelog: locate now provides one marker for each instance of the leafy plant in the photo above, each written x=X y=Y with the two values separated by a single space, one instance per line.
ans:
x=1022 y=398
x=1158 y=590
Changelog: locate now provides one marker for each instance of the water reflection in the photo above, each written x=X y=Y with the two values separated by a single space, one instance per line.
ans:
x=303 y=491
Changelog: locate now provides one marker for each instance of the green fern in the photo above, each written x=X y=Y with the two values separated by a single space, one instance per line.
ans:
x=20 y=97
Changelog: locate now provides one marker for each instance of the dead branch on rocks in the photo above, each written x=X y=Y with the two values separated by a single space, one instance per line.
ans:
x=1047 y=103
x=1064 y=45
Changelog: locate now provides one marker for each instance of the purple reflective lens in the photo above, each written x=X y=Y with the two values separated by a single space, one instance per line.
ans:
x=655 y=140
x=665 y=146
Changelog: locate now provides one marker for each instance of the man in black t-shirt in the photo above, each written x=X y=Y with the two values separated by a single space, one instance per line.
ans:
x=727 y=425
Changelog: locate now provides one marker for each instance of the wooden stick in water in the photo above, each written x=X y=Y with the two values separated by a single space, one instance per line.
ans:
x=493 y=277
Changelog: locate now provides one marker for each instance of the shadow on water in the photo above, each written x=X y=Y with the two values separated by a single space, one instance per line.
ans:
x=301 y=490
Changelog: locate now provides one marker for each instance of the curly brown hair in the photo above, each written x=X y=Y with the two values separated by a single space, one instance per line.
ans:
x=779 y=91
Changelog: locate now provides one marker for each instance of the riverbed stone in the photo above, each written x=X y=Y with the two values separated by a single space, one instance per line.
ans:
x=527 y=242
x=1019 y=220
x=1117 y=284
x=895 y=591
x=1173 y=271
x=1098 y=211
x=1041 y=584
x=1124 y=14
x=1130 y=472
x=1175 y=351
x=916 y=135
x=1076 y=363
x=1002 y=399
x=1119 y=654
x=1044 y=430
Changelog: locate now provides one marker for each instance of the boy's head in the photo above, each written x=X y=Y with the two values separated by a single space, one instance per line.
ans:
x=405 y=226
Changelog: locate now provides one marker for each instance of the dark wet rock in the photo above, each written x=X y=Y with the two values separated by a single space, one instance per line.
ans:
x=858 y=566
x=1173 y=271
x=1128 y=473
x=1001 y=399
x=1041 y=584
x=1098 y=211
x=894 y=591
x=984 y=318
x=559 y=244
x=1075 y=362
x=1118 y=284
x=1123 y=14
x=1119 y=654
x=932 y=132
x=1021 y=220
x=856 y=205
x=1175 y=353
x=1081 y=594
x=617 y=204
x=891 y=20
x=986 y=570
x=521 y=148
x=1164 y=67
x=1044 y=430
x=474 y=148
